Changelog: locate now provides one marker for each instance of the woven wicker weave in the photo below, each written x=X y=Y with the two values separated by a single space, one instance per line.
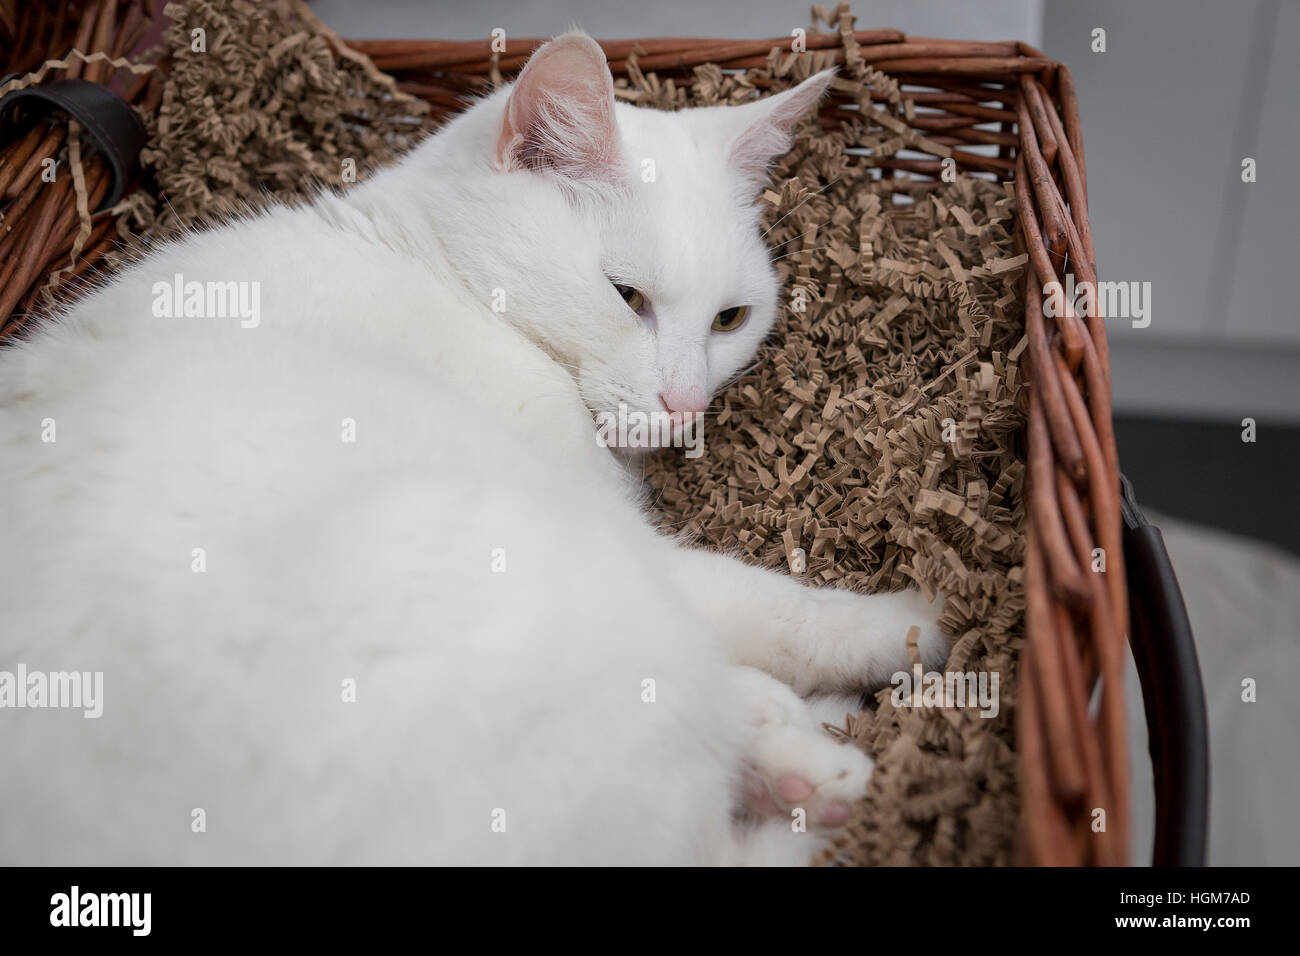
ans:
x=1007 y=97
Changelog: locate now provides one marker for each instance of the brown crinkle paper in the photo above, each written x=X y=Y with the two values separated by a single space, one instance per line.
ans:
x=877 y=432
x=271 y=107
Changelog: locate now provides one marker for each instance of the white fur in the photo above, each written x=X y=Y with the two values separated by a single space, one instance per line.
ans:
x=371 y=561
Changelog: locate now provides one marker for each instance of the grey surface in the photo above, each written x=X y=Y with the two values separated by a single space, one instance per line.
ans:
x=1204 y=472
x=1242 y=601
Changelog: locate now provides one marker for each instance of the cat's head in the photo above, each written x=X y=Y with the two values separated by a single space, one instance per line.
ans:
x=637 y=257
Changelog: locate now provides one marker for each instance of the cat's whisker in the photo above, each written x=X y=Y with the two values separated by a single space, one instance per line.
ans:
x=801 y=202
x=795 y=251
x=740 y=373
x=792 y=239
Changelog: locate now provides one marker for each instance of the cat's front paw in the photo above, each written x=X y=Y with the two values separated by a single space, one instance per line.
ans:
x=859 y=641
x=793 y=768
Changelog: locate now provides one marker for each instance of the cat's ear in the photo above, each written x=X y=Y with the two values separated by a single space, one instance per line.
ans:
x=766 y=128
x=560 y=115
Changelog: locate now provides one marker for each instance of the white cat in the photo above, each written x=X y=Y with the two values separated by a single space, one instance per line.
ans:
x=361 y=583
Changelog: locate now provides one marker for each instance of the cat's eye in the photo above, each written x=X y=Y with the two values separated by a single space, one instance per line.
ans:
x=634 y=299
x=728 y=320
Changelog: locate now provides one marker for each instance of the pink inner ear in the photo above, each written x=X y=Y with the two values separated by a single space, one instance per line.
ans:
x=757 y=146
x=560 y=115
x=769 y=125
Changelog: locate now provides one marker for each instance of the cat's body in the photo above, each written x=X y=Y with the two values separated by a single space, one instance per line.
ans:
x=363 y=586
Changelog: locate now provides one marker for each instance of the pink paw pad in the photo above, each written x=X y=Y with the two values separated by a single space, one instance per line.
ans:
x=835 y=813
x=793 y=788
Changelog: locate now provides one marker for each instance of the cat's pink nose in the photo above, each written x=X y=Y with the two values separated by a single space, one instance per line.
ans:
x=684 y=403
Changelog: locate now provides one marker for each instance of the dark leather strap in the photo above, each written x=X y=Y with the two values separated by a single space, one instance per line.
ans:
x=1173 y=697
x=112 y=123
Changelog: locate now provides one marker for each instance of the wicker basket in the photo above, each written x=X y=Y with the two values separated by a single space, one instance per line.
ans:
x=1006 y=97
x=1070 y=765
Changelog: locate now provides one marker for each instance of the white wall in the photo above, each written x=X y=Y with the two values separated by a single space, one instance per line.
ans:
x=608 y=19
x=1185 y=90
